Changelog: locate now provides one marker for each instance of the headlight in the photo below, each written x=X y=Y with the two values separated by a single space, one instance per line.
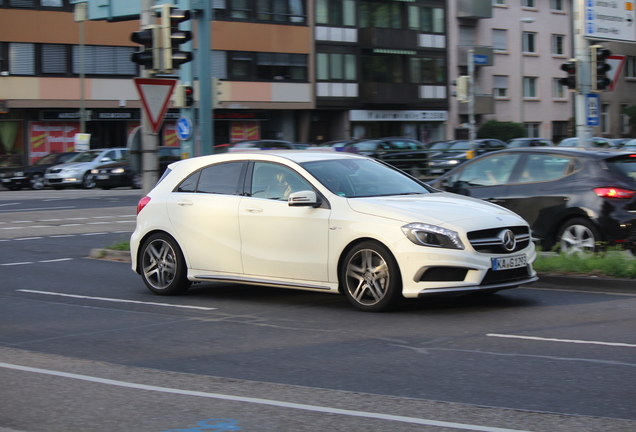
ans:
x=453 y=162
x=433 y=236
x=94 y=171
x=117 y=171
x=18 y=174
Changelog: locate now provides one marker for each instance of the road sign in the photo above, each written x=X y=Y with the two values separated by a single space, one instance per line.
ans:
x=155 y=97
x=184 y=128
x=592 y=109
x=616 y=62
x=613 y=20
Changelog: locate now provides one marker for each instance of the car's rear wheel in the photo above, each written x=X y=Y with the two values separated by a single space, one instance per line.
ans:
x=163 y=267
x=37 y=182
x=88 y=182
x=578 y=235
x=370 y=277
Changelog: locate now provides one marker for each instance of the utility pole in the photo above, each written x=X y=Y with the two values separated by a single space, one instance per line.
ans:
x=471 y=102
x=149 y=157
x=582 y=54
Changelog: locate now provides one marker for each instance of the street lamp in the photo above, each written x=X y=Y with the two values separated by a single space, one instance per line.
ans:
x=526 y=20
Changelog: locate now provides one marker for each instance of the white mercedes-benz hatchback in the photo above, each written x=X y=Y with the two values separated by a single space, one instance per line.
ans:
x=323 y=221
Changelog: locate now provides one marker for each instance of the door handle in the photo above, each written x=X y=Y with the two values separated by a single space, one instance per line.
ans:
x=252 y=209
x=185 y=203
x=495 y=201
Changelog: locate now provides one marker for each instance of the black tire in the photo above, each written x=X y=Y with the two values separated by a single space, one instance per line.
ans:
x=37 y=182
x=88 y=182
x=578 y=235
x=370 y=278
x=162 y=266
x=14 y=187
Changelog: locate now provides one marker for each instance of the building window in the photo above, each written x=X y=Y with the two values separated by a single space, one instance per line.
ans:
x=336 y=13
x=558 y=45
x=533 y=130
x=336 y=67
x=499 y=2
x=559 y=91
x=426 y=19
x=530 y=88
x=21 y=59
x=276 y=11
x=382 y=68
x=38 y=4
x=249 y=66
x=529 y=42
x=557 y=5
x=500 y=86
x=424 y=70
x=531 y=4
x=624 y=120
x=382 y=15
x=630 y=67
x=104 y=60
x=605 y=123
x=500 y=39
x=54 y=59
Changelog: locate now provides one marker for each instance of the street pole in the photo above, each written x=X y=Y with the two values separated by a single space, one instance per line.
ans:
x=582 y=54
x=471 y=102
x=149 y=158
x=206 y=119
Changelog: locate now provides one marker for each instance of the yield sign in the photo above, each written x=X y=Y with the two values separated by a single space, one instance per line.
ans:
x=155 y=97
x=616 y=62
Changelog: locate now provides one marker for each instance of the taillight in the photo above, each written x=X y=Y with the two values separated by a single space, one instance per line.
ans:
x=610 y=192
x=142 y=203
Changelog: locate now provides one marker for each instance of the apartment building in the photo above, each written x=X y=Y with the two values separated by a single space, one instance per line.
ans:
x=519 y=47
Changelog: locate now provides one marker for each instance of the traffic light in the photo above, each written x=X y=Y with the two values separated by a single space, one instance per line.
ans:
x=462 y=88
x=216 y=92
x=172 y=37
x=571 y=81
x=148 y=57
x=600 y=80
x=188 y=96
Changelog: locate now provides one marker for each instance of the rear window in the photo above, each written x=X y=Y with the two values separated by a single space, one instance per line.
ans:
x=625 y=164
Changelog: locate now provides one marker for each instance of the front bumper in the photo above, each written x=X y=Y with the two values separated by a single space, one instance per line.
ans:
x=61 y=179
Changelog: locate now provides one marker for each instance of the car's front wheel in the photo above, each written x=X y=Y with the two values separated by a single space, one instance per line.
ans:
x=163 y=268
x=578 y=235
x=37 y=182
x=88 y=182
x=370 y=277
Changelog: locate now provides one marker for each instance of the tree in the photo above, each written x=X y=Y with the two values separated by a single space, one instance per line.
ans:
x=504 y=131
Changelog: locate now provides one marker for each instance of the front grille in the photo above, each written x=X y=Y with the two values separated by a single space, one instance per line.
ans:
x=492 y=240
x=511 y=275
x=55 y=170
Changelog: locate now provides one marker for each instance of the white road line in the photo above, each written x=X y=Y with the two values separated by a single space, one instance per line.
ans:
x=18 y=263
x=8 y=204
x=259 y=401
x=29 y=238
x=115 y=300
x=56 y=260
x=92 y=234
x=618 y=344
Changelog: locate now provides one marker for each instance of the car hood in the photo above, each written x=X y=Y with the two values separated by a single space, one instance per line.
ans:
x=74 y=165
x=440 y=209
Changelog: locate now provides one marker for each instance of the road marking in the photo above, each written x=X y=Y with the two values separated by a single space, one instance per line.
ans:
x=40 y=208
x=56 y=260
x=18 y=263
x=28 y=238
x=562 y=340
x=8 y=204
x=260 y=401
x=116 y=300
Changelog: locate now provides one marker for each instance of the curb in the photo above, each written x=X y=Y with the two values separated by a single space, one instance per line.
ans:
x=575 y=283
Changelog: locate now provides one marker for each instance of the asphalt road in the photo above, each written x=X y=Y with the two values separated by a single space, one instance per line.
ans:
x=84 y=346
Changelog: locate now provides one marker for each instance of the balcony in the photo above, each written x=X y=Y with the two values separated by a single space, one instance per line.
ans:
x=484 y=104
x=474 y=9
x=373 y=37
x=389 y=93
x=482 y=56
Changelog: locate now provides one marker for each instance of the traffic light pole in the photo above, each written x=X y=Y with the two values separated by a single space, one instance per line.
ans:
x=149 y=157
x=582 y=54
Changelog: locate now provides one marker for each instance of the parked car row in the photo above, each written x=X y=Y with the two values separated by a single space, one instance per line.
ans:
x=104 y=168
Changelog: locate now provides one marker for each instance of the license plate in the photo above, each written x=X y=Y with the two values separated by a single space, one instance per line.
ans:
x=437 y=171
x=507 y=263
x=102 y=177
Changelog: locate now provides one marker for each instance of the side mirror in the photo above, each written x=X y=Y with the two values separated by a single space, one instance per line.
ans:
x=105 y=159
x=306 y=198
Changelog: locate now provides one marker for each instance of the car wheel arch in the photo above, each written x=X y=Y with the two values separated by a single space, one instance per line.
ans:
x=146 y=237
x=351 y=245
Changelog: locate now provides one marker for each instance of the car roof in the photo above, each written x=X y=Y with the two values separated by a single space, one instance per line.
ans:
x=599 y=153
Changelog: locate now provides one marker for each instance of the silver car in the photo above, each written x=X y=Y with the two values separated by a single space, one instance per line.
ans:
x=77 y=171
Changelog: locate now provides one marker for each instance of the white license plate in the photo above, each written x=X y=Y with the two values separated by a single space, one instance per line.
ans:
x=507 y=263
x=102 y=177
x=437 y=171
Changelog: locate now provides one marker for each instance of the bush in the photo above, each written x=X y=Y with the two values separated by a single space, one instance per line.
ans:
x=613 y=263
x=504 y=131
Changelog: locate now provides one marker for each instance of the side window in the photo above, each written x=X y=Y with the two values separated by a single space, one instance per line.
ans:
x=189 y=185
x=541 y=167
x=221 y=178
x=491 y=171
x=276 y=182
x=112 y=155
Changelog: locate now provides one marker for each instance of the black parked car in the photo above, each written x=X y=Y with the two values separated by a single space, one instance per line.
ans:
x=407 y=154
x=33 y=176
x=122 y=174
x=457 y=153
x=574 y=198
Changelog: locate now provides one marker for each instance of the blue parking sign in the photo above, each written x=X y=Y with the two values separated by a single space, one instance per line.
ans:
x=592 y=109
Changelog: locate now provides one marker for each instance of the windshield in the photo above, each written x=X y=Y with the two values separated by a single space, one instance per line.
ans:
x=363 y=178
x=366 y=145
x=460 y=145
x=46 y=160
x=439 y=146
x=86 y=156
